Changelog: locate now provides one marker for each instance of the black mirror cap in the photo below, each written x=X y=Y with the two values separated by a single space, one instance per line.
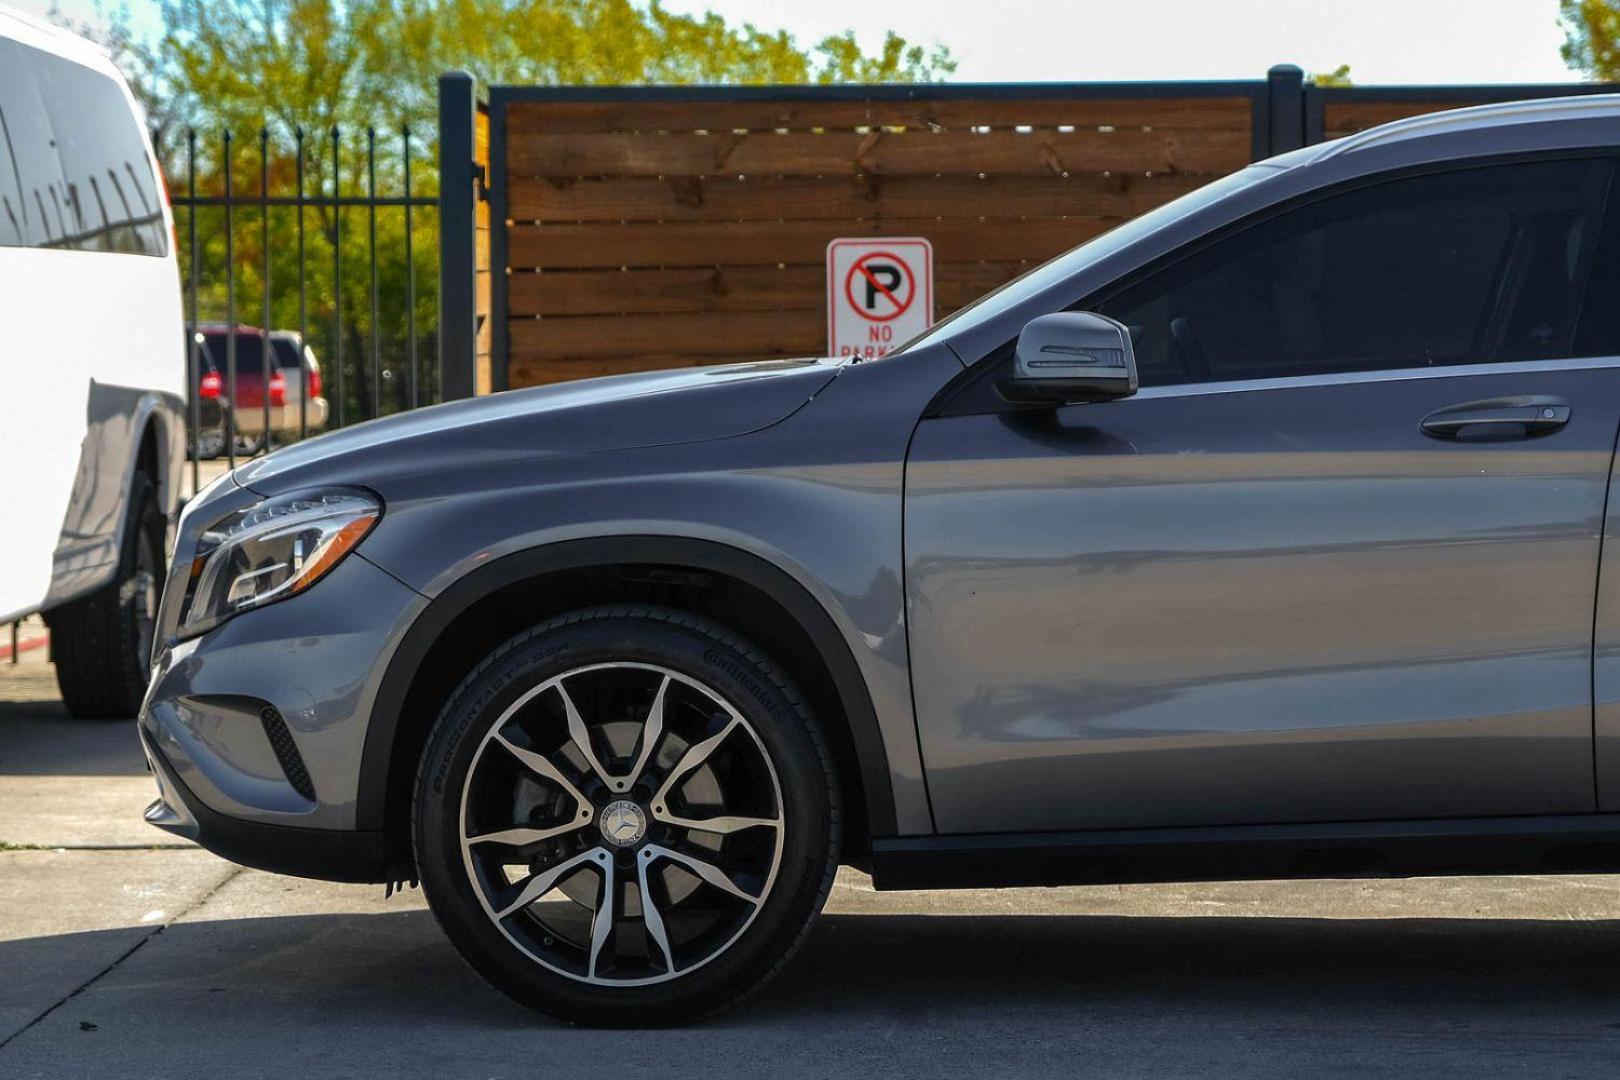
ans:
x=1071 y=357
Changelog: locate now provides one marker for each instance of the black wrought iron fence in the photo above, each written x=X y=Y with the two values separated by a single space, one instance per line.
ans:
x=280 y=255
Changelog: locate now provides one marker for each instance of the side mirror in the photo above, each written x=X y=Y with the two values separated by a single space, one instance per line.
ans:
x=1070 y=357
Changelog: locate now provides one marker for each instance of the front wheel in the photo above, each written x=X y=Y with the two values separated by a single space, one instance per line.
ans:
x=626 y=816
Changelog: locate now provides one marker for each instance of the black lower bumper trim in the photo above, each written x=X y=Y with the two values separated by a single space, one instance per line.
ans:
x=324 y=854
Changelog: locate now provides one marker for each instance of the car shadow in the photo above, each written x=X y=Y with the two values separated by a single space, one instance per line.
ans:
x=39 y=738
x=35 y=745
x=930 y=993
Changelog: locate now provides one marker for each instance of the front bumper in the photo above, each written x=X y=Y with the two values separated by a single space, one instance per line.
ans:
x=283 y=849
x=256 y=730
x=284 y=419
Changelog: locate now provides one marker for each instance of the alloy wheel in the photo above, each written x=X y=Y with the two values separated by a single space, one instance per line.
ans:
x=621 y=823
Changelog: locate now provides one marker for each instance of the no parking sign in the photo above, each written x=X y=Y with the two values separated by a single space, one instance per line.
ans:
x=880 y=294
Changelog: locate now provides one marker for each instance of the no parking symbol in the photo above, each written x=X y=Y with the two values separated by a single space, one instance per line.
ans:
x=880 y=294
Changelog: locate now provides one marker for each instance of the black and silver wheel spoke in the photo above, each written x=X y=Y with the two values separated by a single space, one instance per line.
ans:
x=703 y=869
x=609 y=912
x=695 y=756
x=524 y=835
x=541 y=765
x=654 y=788
x=538 y=885
x=722 y=824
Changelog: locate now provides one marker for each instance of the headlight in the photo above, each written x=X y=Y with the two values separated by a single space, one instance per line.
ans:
x=272 y=550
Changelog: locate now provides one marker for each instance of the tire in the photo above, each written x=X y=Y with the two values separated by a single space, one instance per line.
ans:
x=766 y=736
x=210 y=445
x=102 y=643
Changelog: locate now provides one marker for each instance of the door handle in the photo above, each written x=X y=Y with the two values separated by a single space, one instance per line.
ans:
x=1502 y=418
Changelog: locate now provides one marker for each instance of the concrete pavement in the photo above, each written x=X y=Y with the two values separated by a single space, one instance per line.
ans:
x=162 y=961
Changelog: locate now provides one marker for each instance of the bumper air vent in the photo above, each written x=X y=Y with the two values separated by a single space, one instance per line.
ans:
x=292 y=762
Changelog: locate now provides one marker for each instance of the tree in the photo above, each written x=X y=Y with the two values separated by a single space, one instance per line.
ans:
x=247 y=63
x=1592 y=37
x=279 y=66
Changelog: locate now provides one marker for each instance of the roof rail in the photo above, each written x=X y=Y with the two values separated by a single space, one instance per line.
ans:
x=1539 y=109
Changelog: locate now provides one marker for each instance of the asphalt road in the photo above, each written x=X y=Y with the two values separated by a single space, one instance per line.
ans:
x=125 y=955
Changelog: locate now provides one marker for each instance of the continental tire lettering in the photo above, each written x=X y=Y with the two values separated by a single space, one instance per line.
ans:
x=715 y=659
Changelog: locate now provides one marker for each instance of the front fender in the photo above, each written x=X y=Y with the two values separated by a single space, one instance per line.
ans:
x=377 y=764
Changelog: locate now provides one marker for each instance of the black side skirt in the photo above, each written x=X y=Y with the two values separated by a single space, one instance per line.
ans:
x=1554 y=844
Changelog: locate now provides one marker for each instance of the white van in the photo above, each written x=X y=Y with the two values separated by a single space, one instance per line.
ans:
x=92 y=364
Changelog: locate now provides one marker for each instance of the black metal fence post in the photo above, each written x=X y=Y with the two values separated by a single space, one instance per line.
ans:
x=458 y=252
x=230 y=312
x=1285 y=109
x=303 y=300
x=193 y=347
x=337 y=276
x=376 y=331
x=266 y=443
x=410 y=273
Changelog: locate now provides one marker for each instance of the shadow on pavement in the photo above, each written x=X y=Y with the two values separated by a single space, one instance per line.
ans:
x=879 y=995
x=39 y=738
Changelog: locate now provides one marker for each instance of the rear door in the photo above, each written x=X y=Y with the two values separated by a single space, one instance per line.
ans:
x=1336 y=560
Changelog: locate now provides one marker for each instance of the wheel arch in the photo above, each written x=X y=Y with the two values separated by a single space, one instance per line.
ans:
x=400 y=720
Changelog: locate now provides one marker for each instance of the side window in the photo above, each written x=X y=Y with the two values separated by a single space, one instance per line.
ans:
x=1476 y=265
x=80 y=159
x=13 y=222
x=31 y=189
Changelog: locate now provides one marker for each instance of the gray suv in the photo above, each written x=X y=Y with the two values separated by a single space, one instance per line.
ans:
x=1260 y=537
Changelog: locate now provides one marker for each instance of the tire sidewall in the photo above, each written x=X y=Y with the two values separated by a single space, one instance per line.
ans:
x=145 y=527
x=738 y=674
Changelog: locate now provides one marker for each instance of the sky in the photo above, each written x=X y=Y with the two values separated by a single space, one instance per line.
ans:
x=1384 y=41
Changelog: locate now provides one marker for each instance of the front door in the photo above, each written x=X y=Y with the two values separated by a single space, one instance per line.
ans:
x=1337 y=561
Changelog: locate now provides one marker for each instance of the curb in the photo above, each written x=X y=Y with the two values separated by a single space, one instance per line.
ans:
x=25 y=645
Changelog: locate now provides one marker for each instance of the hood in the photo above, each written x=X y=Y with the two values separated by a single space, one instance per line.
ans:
x=619 y=412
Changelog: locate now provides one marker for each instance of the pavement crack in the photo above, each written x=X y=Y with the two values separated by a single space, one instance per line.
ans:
x=236 y=872
x=6 y=847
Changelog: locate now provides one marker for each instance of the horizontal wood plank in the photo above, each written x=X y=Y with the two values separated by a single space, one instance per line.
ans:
x=1350 y=117
x=1038 y=153
x=839 y=197
x=748 y=333
x=719 y=289
x=535 y=372
x=786 y=243
x=528 y=118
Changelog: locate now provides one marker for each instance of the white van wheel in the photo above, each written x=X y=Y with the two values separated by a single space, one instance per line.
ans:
x=102 y=643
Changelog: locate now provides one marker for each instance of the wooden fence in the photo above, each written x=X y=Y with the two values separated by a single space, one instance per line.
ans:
x=658 y=227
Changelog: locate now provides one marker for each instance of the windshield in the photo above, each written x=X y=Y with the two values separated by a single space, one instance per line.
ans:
x=1026 y=285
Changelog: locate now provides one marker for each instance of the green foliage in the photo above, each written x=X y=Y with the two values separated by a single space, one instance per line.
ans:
x=246 y=66
x=243 y=64
x=1339 y=76
x=1592 y=37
